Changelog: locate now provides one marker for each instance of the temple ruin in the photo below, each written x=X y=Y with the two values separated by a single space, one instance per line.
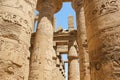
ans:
x=93 y=49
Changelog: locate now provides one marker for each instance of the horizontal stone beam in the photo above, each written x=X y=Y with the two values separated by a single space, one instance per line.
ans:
x=62 y=49
x=67 y=0
x=73 y=57
x=65 y=38
x=61 y=42
x=65 y=61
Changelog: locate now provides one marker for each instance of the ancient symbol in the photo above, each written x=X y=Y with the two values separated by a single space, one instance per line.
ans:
x=98 y=66
x=108 y=7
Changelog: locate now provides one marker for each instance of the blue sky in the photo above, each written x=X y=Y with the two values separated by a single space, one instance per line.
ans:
x=62 y=20
x=62 y=15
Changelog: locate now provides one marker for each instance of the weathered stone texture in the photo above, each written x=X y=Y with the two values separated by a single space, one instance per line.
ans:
x=16 y=25
x=73 y=65
x=42 y=62
x=71 y=23
x=83 y=46
x=54 y=24
x=102 y=18
x=82 y=40
x=41 y=58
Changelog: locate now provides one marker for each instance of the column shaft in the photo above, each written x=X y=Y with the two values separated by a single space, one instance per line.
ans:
x=82 y=40
x=73 y=65
x=16 y=26
x=83 y=46
x=103 y=30
x=42 y=55
x=70 y=23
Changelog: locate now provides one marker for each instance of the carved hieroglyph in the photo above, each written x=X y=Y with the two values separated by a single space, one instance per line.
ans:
x=103 y=29
x=41 y=58
x=73 y=65
x=16 y=25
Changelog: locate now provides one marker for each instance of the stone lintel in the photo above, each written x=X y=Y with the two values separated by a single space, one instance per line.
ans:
x=62 y=49
x=67 y=0
x=61 y=42
x=66 y=61
x=73 y=57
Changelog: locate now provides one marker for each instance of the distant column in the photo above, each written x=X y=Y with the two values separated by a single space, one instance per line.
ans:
x=73 y=64
x=82 y=40
x=70 y=23
x=103 y=30
x=83 y=47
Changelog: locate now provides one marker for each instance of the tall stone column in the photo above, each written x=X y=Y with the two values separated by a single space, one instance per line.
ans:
x=73 y=64
x=70 y=23
x=42 y=55
x=103 y=30
x=82 y=40
x=16 y=26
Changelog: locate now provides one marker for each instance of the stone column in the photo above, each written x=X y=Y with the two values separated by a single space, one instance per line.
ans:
x=16 y=26
x=83 y=47
x=103 y=30
x=82 y=40
x=42 y=55
x=70 y=23
x=73 y=64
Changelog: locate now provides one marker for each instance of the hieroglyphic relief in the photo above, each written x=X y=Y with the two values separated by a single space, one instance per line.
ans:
x=15 y=31
x=106 y=7
x=103 y=8
x=103 y=38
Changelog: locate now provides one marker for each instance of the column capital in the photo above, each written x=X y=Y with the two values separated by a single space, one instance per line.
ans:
x=54 y=4
x=77 y=5
x=47 y=8
x=72 y=53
